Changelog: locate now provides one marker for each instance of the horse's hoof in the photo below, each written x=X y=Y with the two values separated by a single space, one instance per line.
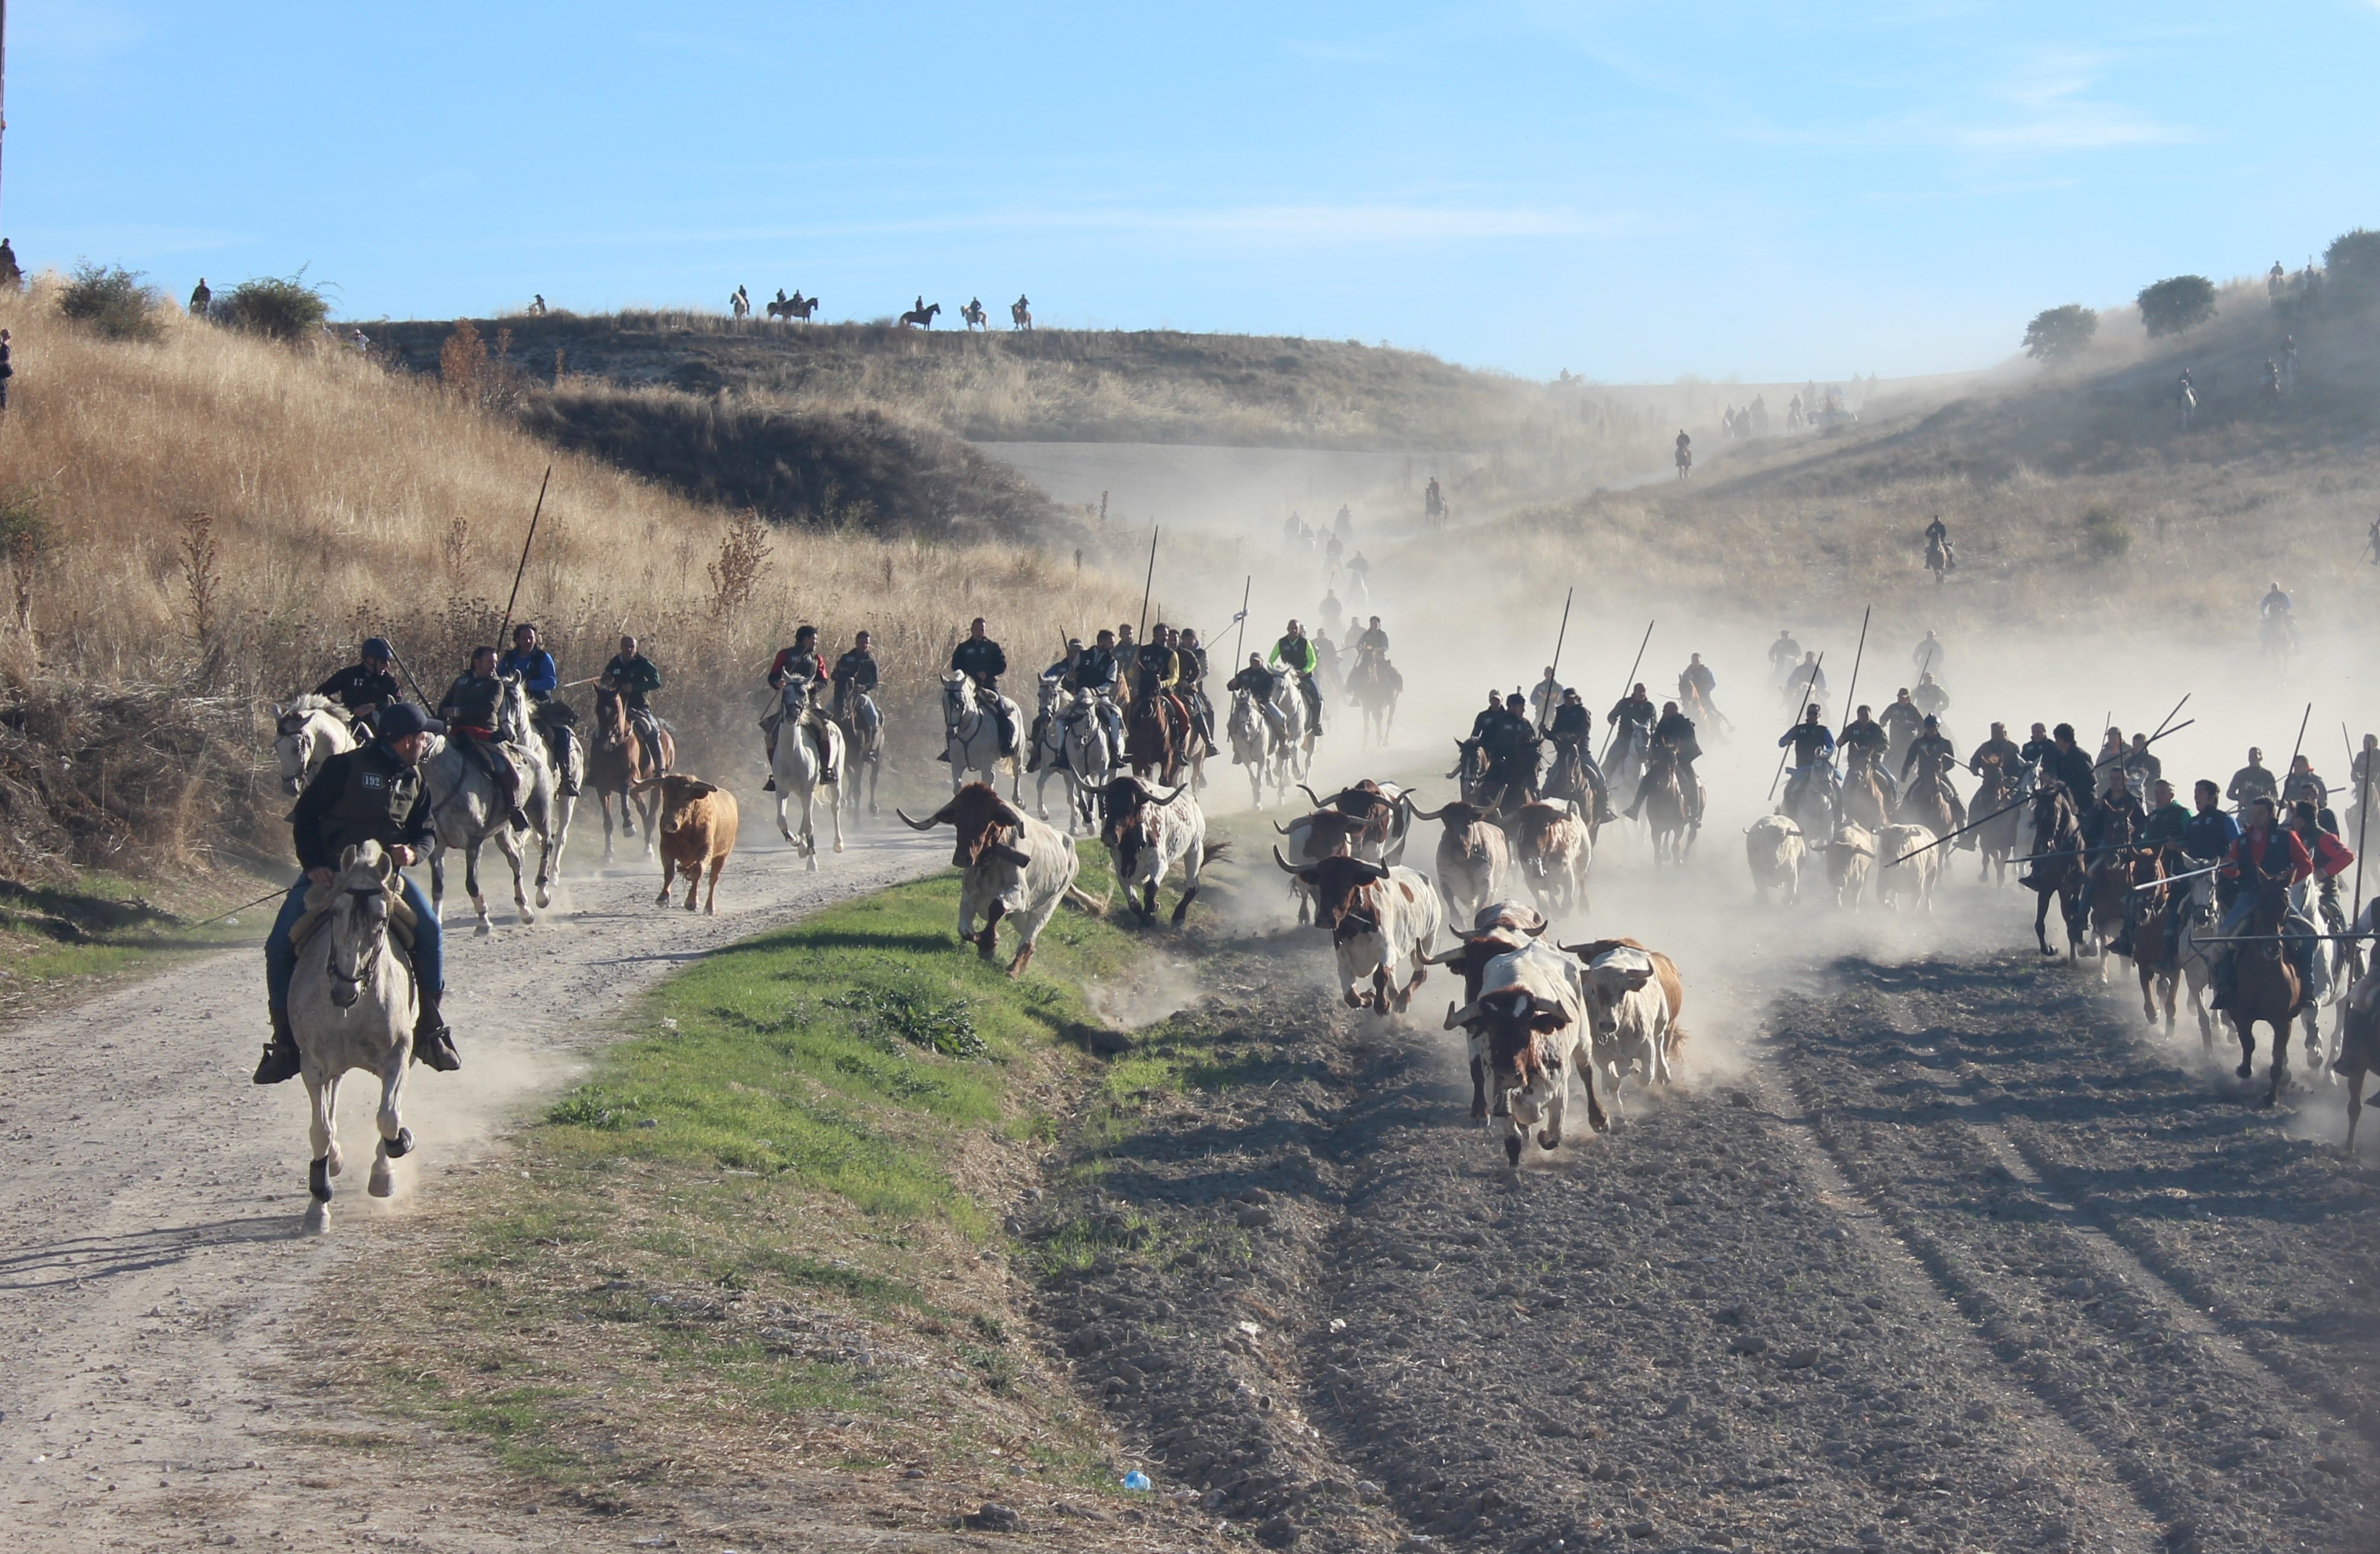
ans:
x=2242 y=1072
x=484 y=930
x=318 y=1180
x=383 y=1181
x=401 y=1145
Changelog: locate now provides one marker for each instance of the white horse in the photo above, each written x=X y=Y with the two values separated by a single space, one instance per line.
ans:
x=306 y=733
x=971 y=736
x=1293 y=749
x=352 y=1005
x=1073 y=747
x=806 y=749
x=465 y=810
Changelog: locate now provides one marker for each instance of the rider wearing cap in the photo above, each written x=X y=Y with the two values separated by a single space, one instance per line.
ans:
x=1674 y=733
x=797 y=674
x=371 y=794
x=980 y=658
x=363 y=689
x=2265 y=857
x=633 y=677
x=1295 y=652
x=540 y=680
x=470 y=707
x=1933 y=756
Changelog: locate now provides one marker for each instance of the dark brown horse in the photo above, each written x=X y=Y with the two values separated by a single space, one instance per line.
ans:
x=2359 y=1052
x=2266 y=986
x=1155 y=734
x=617 y=762
x=1865 y=801
x=2057 y=867
x=2153 y=902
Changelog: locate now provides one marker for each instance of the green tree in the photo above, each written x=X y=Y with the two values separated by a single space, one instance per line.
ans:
x=2351 y=264
x=2056 y=334
x=280 y=306
x=113 y=302
x=2170 y=307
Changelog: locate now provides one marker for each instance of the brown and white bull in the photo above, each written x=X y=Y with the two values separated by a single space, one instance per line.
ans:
x=1475 y=858
x=1552 y=847
x=1634 y=996
x=1530 y=1028
x=1850 y=859
x=1382 y=922
x=1773 y=846
x=1385 y=810
x=1907 y=863
x=1016 y=867
x=1498 y=929
x=1146 y=834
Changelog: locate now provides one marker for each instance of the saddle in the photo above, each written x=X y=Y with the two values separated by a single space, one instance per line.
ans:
x=317 y=910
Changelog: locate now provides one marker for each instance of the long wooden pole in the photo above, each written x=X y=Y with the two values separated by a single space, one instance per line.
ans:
x=1146 y=586
x=1241 y=646
x=1851 y=697
x=1626 y=681
x=2297 y=748
x=1545 y=709
x=522 y=570
x=2363 y=826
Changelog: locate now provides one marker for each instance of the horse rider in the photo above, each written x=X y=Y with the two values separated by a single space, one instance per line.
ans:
x=979 y=658
x=469 y=710
x=1481 y=722
x=1512 y=749
x=2331 y=857
x=633 y=677
x=2252 y=782
x=1928 y=696
x=1373 y=639
x=1938 y=534
x=1807 y=679
x=1544 y=697
x=2363 y=773
x=801 y=668
x=1901 y=722
x=1433 y=501
x=1934 y=758
x=2206 y=839
x=2001 y=748
x=1864 y=739
x=2143 y=764
x=1344 y=526
x=1156 y=671
x=1632 y=718
x=1062 y=673
x=1572 y=732
x=1782 y=655
x=2305 y=785
x=1190 y=655
x=1685 y=451
x=1359 y=569
x=2069 y=765
x=1333 y=550
x=1331 y=612
x=374 y=793
x=2167 y=825
x=855 y=677
x=1928 y=655
x=1674 y=739
x=2266 y=857
x=553 y=717
x=2275 y=603
x=2118 y=818
x=1099 y=672
x=1696 y=683
x=1295 y=652
x=1814 y=752
x=366 y=686
x=201 y=297
x=1259 y=683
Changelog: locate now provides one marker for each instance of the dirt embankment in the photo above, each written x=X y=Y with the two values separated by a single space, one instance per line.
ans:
x=1957 y=1261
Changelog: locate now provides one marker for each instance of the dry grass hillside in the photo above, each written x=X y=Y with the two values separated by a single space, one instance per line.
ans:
x=2077 y=497
x=1061 y=385
x=198 y=524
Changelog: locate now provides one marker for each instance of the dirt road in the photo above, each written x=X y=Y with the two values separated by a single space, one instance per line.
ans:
x=1937 y=1249
x=151 y=1201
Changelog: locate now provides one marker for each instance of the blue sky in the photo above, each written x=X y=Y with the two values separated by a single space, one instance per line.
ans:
x=1629 y=192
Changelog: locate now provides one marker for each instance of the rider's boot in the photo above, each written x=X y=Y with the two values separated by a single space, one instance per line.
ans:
x=432 y=1042
x=279 y=1061
x=1040 y=728
x=770 y=785
x=512 y=805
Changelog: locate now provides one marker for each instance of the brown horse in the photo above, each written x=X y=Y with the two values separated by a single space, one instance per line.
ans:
x=1997 y=837
x=2359 y=1051
x=2160 y=972
x=2265 y=987
x=1669 y=814
x=1156 y=736
x=2057 y=866
x=616 y=763
x=1862 y=802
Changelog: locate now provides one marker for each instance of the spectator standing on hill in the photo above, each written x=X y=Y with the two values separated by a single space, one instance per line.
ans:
x=7 y=370
x=200 y=299
x=10 y=275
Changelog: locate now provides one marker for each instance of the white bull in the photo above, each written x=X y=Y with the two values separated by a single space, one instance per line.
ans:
x=1629 y=1013
x=1146 y=835
x=1773 y=846
x=1383 y=921
x=1914 y=874
x=1529 y=1032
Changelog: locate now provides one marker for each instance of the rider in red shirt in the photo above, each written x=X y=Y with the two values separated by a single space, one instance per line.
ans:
x=800 y=661
x=2265 y=856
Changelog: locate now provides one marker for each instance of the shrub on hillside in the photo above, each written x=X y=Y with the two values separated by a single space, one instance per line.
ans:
x=2174 y=306
x=278 y=306
x=2057 y=335
x=112 y=303
x=2104 y=533
x=2352 y=263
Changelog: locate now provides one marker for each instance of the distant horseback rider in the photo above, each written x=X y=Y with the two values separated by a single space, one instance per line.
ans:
x=979 y=658
x=1937 y=542
x=2305 y=785
x=1373 y=639
x=366 y=686
x=1813 y=751
x=1901 y=722
x=633 y=677
x=372 y=794
x=1934 y=759
x=1632 y=718
x=2069 y=765
x=2143 y=764
x=1685 y=453
x=1573 y=733
x=1297 y=653
x=797 y=674
x=2265 y=857
x=1344 y=526
x=470 y=709
x=2275 y=603
x=2000 y=749
x=1929 y=698
x=1674 y=745
x=1696 y=683
x=1807 y=679
x=553 y=716
x=1191 y=655
x=1928 y=655
x=1863 y=740
x=1259 y=683
x=2252 y=782
x=1433 y=501
x=1783 y=654
x=1544 y=697
x=2168 y=819
x=1061 y=674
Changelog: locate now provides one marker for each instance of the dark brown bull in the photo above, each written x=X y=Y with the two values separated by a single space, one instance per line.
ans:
x=983 y=821
x=1383 y=815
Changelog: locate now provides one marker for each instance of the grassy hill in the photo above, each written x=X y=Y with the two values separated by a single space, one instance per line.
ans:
x=2076 y=496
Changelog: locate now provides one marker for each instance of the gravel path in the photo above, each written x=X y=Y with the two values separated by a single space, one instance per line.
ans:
x=1943 y=1252
x=151 y=1201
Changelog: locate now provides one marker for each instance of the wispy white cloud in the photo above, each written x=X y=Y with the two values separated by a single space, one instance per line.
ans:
x=77 y=34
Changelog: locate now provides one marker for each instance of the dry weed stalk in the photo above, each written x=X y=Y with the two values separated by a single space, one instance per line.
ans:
x=743 y=553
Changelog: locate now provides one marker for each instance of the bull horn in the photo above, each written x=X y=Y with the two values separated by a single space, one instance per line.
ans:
x=1540 y=931
x=1462 y=1016
x=1286 y=867
x=1421 y=814
x=1169 y=797
x=1319 y=802
x=942 y=817
x=1446 y=959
